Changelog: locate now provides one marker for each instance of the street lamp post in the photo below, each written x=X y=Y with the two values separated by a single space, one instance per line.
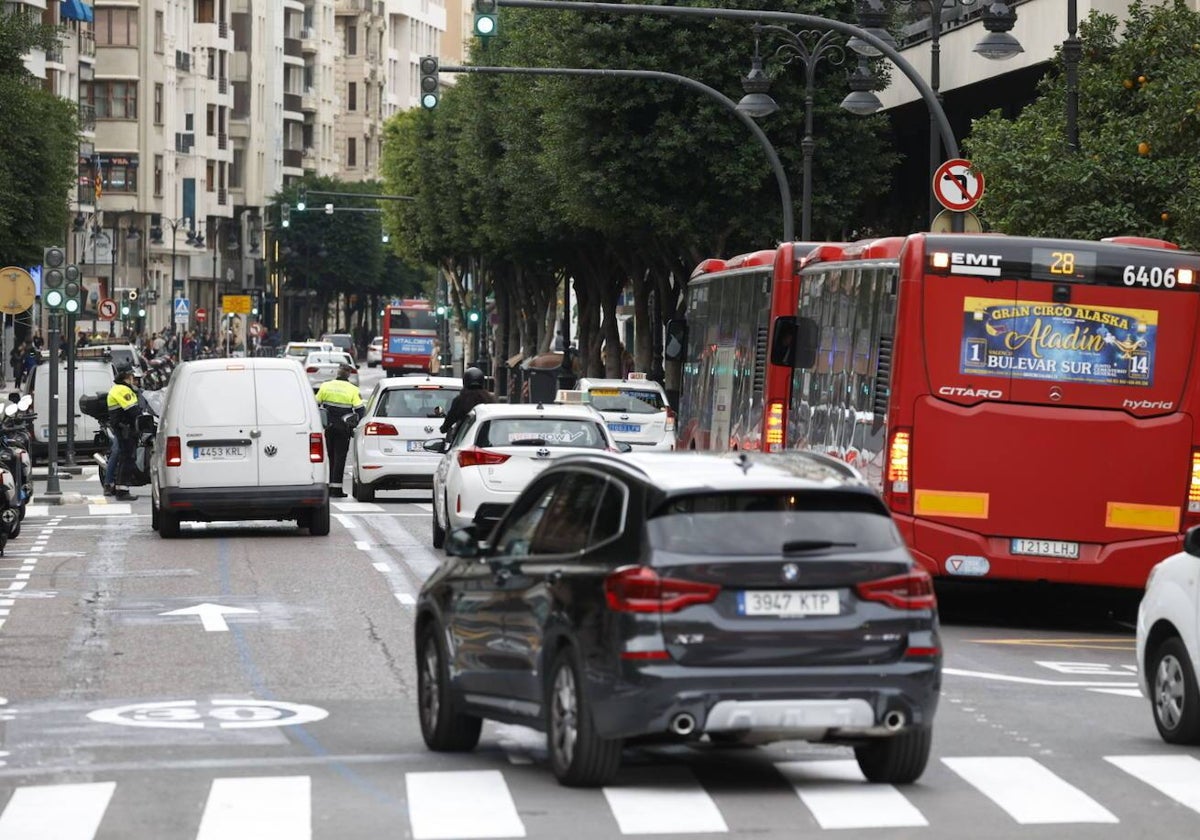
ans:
x=1072 y=53
x=156 y=235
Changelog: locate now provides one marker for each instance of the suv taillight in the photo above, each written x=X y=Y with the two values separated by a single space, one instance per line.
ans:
x=475 y=457
x=910 y=591
x=896 y=488
x=670 y=426
x=316 y=447
x=174 y=452
x=374 y=428
x=640 y=589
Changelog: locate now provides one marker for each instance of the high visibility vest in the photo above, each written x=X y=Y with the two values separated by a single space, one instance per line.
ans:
x=339 y=393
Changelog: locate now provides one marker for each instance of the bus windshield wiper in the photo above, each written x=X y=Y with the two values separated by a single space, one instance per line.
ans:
x=796 y=546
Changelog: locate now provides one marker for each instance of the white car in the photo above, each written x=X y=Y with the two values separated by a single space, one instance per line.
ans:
x=323 y=366
x=389 y=443
x=498 y=449
x=1168 y=643
x=299 y=350
x=375 y=352
x=635 y=409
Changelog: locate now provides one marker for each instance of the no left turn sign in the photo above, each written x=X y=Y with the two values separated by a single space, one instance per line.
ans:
x=108 y=309
x=957 y=185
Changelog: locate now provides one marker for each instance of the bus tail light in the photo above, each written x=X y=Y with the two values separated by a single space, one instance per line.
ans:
x=174 y=452
x=640 y=589
x=316 y=447
x=476 y=457
x=910 y=591
x=775 y=426
x=670 y=427
x=1192 y=509
x=898 y=471
x=382 y=429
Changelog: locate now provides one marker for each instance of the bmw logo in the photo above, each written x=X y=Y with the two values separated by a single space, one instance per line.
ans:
x=791 y=572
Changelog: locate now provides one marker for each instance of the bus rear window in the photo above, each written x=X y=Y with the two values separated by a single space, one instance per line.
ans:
x=413 y=319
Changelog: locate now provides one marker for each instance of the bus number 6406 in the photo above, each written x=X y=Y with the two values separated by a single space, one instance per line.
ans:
x=1155 y=277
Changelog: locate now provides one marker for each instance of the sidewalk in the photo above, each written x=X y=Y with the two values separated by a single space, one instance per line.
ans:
x=77 y=489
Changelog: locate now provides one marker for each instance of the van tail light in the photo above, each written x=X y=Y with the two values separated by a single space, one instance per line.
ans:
x=174 y=452
x=382 y=429
x=910 y=591
x=670 y=427
x=316 y=447
x=775 y=426
x=476 y=457
x=640 y=589
x=1192 y=509
x=312 y=370
x=896 y=488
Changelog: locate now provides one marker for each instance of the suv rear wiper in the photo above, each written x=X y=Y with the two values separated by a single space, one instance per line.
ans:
x=796 y=546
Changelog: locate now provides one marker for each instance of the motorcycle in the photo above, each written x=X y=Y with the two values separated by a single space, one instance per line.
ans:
x=15 y=442
x=136 y=474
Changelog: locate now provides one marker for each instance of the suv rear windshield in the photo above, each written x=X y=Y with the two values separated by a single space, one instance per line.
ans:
x=772 y=523
x=626 y=400
x=542 y=431
x=415 y=402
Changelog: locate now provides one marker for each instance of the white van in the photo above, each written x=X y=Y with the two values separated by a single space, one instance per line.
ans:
x=239 y=439
x=92 y=376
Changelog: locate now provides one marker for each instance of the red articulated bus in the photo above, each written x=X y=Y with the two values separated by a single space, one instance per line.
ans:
x=410 y=329
x=731 y=395
x=1026 y=406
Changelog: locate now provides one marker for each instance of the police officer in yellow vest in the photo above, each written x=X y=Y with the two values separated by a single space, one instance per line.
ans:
x=123 y=411
x=343 y=406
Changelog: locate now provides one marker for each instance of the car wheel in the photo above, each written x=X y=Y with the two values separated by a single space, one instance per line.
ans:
x=154 y=515
x=362 y=492
x=442 y=726
x=1173 y=693
x=578 y=756
x=439 y=533
x=318 y=521
x=168 y=525
x=899 y=759
x=15 y=530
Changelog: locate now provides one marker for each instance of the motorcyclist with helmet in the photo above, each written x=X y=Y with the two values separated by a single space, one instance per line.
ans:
x=123 y=410
x=343 y=408
x=472 y=394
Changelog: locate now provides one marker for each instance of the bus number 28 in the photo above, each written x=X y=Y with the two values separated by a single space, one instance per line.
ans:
x=1155 y=277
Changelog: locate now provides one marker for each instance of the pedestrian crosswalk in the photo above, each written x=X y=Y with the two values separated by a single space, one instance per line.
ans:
x=657 y=799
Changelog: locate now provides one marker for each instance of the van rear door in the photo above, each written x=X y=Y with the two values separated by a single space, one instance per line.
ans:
x=215 y=425
x=283 y=427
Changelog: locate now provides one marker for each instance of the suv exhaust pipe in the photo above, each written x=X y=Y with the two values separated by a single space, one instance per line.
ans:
x=683 y=724
x=893 y=720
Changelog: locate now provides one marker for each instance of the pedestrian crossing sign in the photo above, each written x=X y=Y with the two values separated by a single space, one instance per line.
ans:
x=182 y=307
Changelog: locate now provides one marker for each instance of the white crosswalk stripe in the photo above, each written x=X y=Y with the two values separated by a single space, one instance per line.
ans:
x=461 y=804
x=665 y=800
x=838 y=797
x=1029 y=791
x=62 y=812
x=1176 y=776
x=258 y=808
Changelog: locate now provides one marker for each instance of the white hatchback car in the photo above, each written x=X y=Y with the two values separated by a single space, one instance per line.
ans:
x=1168 y=643
x=498 y=449
x=323 y=366
x=375 y=352
x=389 y=444
x=635 y=409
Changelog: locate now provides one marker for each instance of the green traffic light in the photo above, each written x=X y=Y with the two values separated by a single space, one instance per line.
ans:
x=72 y=306
x=54 y=298
x=473 y=317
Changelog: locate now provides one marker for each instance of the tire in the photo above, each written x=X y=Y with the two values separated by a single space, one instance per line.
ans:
x=15 y=531
x=154 y=516
x=168 y=525
x=439 y=533
x=362 y=492
x=318 y=521
x=443 y=727
x=23 y=506
x=1174 y=697
x=578 y=756
x=898 y=759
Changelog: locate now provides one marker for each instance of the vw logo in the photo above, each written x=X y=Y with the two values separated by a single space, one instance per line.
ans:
x=624 y=416
x=791 y=572
x=429 y=430
x=543 y=453
x=270 y=450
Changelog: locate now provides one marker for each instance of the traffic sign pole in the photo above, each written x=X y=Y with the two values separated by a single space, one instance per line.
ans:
x=53 y=488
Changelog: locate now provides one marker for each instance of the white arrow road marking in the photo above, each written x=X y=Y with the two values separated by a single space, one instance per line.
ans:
x=212 y=616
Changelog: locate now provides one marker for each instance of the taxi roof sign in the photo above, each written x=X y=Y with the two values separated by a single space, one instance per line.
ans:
x=636 y=376
x=566 y=397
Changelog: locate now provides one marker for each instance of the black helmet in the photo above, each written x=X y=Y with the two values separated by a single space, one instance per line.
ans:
x=122 y=370
x=473 y=378
x=345 y=370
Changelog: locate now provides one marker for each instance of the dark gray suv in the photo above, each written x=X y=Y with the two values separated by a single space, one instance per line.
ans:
x=679 y=597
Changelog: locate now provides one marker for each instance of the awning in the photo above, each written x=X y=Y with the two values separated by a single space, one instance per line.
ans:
x=77 y=10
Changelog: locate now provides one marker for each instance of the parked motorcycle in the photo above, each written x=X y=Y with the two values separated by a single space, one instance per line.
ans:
x=15 y=443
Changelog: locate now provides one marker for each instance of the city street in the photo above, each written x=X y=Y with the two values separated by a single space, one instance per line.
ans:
x=250 y=681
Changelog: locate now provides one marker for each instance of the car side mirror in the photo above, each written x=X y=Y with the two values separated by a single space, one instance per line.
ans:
x=624 y=447
x=676 y=344
x=436 y=445
x=462 y=543
x=1191 y=541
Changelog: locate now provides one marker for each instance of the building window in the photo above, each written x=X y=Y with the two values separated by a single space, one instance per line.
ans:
x=235 y=169
x=158 y=175
x=159 y=36
x=351 y=153
x=120 y=178
x=212 y=120
x=351 y=39
x=115 y=100
x=116 y=27
x=210 y=175
x=158 y=104
x=352 y=97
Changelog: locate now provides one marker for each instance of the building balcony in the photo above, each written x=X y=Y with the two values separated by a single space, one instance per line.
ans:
x=291 y=47
x=87 y=43
x=223 y=85
x=54 y=55
x=239 y=66
x=222 y=141
x=293 y=158
x=87 y=117
x=222 y=196
x=308 y=102
x=293 y=102
x=308 y=41
x=350 y=7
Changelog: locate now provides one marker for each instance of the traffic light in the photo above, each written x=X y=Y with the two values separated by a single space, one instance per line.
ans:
x=429 y=81
x=125 y=310
x=302 y=200
x=73 y=291
x=54 y=263
x=441 y=310
x=485 y=18
x=285 y=215
x=133 y=294
x=473 y=317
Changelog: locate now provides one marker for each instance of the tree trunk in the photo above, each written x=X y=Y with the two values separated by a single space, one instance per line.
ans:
x=643 y=335
x=610 y=326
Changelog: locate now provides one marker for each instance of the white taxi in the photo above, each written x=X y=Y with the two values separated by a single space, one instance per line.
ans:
x=375 y=352
x=500 y=448
x=389 y=444
x=322 y=366
x=635 y=409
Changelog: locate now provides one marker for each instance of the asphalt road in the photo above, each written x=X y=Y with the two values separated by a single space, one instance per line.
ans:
x=287 y=710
